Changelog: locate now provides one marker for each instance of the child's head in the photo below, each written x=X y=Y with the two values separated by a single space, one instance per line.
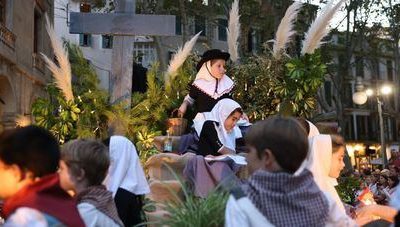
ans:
x=303 y=122
x=276 y=144
x=382 y=180
x=393 y=181
x=83 y=163
x=338 y=149
x=25 y=154
x=232 y=119
x=214 y=60
x=227 y=112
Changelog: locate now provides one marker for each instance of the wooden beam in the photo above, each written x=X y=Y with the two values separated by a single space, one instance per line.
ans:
x=122 y=24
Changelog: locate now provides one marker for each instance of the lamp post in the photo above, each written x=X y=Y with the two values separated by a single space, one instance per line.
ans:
x=361 y=96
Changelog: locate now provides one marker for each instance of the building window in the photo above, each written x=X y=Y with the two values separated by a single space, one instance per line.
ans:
x=254 y=41
x=85 y=8
x=37 y=31
x=362 y=127
x=178 y=25
x=2 y=11
x=389 y=69
x=360 y=66
x=85 y=40
x=222 y=25
x=200 y=25
x=144 y=54
x=376 y=69
x=349 y=127
x=328 y=92
x=348 y=94
x=107 y=41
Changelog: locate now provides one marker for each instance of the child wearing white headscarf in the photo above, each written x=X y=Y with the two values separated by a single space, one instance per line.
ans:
x=325 y=161
x=217 y=137
x=218 y=131
x=126 y=180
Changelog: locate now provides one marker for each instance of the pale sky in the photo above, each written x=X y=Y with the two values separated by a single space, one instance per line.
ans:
x=338 y=19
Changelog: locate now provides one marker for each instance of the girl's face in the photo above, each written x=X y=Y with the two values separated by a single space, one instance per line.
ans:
x=67 y=180
x=382 y=180
x=231 y=121
x=337 y=163
x=218 y=68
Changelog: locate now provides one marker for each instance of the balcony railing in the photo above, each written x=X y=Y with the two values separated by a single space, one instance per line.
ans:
x=38 y=62
x=7 y=37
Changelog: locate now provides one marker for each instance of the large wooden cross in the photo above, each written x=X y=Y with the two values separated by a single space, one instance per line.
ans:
x=123 y=25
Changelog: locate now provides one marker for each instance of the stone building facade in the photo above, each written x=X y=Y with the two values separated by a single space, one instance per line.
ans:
x=22 y=71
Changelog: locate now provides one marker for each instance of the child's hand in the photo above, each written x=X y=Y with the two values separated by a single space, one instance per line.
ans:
x=182 y=109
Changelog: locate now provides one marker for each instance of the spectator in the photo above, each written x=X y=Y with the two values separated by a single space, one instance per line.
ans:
x=273 y=195
x=83 y=167
x=29 y=159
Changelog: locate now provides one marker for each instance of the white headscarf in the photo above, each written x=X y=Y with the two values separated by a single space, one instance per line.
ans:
x=312 y=132
x=319 y=163
x=220 y=113
x=125 y=170
x=207 y=83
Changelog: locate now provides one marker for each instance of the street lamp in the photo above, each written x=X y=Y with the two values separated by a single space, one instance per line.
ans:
x=360 y=97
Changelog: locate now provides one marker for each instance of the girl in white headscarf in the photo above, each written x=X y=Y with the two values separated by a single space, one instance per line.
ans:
x=126 y=179
x=218 y=131
x=217 y=137
x=325 y=161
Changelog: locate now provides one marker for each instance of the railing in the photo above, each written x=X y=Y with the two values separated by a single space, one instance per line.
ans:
x=7 y=37
x=38 y=62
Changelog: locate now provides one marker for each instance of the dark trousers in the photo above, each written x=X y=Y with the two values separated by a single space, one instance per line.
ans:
x=129 y=207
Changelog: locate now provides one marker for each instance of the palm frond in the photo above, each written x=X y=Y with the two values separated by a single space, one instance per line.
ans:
x=319 y=28
x=61 y=73
x=285 y=29
x=233 y=31
x=179 y=58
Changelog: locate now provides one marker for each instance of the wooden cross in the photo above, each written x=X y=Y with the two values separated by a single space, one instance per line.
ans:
x=123 y=25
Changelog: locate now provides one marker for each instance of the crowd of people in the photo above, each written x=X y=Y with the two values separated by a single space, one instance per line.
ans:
x=293 y=170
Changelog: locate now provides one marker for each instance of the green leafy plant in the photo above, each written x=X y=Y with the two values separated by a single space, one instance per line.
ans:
x=145 y=145
x=192 y=210
x=82 y=117
x=266 y=86
x=347 y=188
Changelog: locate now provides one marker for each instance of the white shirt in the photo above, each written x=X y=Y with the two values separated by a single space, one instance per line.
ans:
x=93 y=217
x=243 y=213
x=24 y=217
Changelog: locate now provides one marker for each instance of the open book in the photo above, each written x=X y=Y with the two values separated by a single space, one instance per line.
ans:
x=240 y=160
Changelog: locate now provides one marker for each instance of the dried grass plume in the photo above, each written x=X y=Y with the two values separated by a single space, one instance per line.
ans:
x=61 y=73
x=22 y=121
x=179 y=58
x=233 y=31
x=319 y=28
x=285 y=29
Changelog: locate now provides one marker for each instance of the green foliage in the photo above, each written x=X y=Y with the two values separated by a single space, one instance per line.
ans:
x=145 y=145
x=60 y=117
x=151 y=112
x=84 y=116
x=266 y=86
x=194 y=211
x=347 y=188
